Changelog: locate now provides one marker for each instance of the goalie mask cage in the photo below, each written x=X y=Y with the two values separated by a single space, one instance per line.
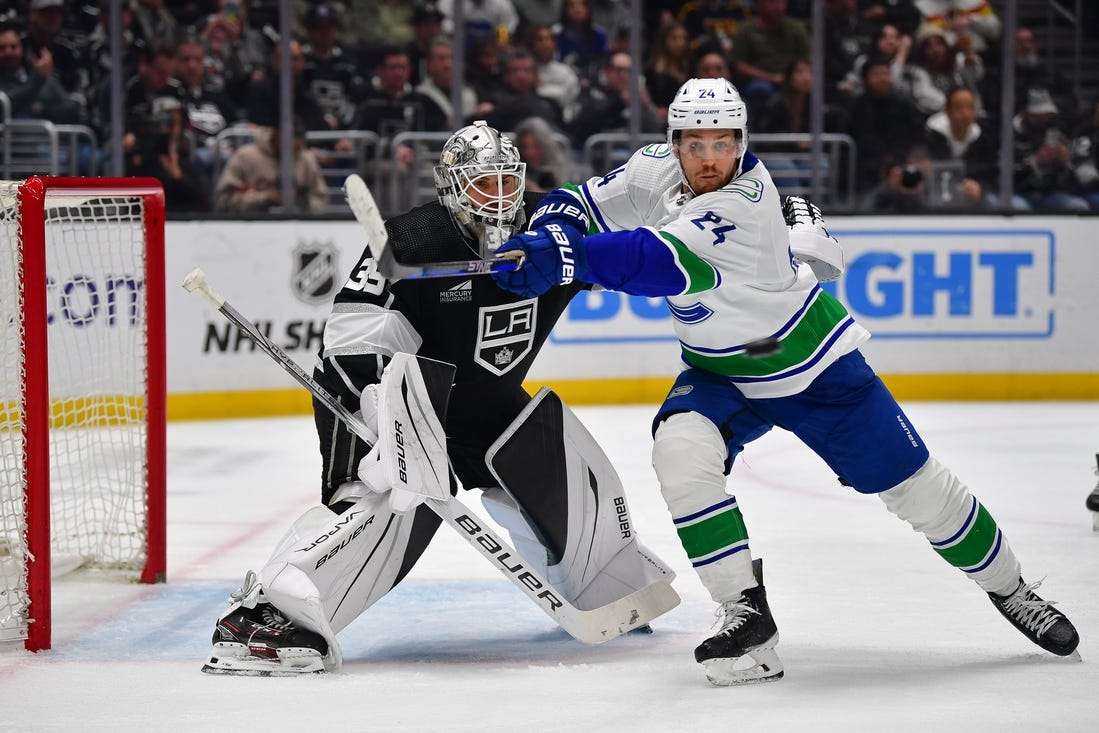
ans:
x=82 y=422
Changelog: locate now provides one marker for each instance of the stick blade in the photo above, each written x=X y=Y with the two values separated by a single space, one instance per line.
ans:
x=626 y=614
x=366 y=212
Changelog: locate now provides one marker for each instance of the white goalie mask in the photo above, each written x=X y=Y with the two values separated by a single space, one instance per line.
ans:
x=480 y=181
x=709 y=104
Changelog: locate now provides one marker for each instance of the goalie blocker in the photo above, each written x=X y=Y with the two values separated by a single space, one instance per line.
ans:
x=330 y=567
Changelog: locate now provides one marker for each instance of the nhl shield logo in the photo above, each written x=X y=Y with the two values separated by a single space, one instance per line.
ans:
x=505 y=334
x=315 y=267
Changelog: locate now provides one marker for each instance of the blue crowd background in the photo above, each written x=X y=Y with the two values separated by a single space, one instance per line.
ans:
x=913 y=89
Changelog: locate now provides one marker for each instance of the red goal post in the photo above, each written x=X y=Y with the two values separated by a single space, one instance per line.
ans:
x=82 y=424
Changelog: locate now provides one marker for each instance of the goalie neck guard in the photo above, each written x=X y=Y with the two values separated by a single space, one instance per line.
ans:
x=480 y=181
x=708 y=104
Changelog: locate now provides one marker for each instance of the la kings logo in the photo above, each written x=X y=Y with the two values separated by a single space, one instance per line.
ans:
x=315 y=270
x=505 y=334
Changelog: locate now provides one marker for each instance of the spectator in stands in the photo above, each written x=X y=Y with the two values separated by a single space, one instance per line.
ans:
x=96 y=60
x=847 y=36
x=483 y=67
x=518 y=98
x=208 y=111
x=30 y=92
x=155 y=71
x=493 y=18
x=389 y=107
x=901 y=14
x=713 y=64
x=330 y=73
x=163 y=153
x=764 y=48
x=427 y=25
x=538 y=12
x=379 y=24
x=237 y=54
x=973 y=17
x=434 y=93
x=613 y=17
x=955 y=135
x=712 y=24
x=549 y=163
x=556 y=79
x=51 y=53
x=669 y=64
x=788 y=111
x=605 y=106
x=1045 y=170
x=947 y=66
x=909 y=81
x=265 y=92
x=1031 y=72
x=582 y=44
x=905 y=189
x=250 y=182
x=154 y=23
x=1085 y=150
x=883 y=125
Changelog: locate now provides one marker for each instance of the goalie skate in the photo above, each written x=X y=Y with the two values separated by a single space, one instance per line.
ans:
x=258 y=641
x=743 y=650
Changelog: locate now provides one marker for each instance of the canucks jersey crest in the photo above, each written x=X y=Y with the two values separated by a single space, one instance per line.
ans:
x=505 y=335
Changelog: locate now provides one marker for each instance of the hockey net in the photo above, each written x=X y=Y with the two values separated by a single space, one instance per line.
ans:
x=82 y=479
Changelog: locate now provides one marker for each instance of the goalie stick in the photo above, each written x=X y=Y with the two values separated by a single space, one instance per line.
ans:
x=366 y=213
x=592 y=626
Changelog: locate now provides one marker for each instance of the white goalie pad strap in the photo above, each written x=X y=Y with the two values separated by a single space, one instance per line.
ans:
x=330 y=567
x=573 y=501
x=412 y=442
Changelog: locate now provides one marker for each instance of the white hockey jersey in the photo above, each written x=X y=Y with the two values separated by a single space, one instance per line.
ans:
x=723 y=261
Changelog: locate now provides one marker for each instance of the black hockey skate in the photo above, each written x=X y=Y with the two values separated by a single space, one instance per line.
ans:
x=259 y=641
x=1093 y=501
x=743 y=650
x=1038 y=619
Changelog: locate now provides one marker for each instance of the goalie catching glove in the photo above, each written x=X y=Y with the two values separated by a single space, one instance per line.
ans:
x=810 y=242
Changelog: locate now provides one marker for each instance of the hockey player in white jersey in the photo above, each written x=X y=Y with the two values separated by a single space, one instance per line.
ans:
x=700 y=222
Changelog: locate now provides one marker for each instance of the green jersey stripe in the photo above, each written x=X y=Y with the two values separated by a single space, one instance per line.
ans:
x=820 y=320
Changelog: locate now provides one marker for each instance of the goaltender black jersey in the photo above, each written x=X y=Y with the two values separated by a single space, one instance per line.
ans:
x=490 y=335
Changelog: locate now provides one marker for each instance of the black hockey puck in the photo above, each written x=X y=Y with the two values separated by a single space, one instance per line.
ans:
x=763 y=347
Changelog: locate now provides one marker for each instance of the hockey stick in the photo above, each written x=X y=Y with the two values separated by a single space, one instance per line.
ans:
x=366 y=213
x=592 y=626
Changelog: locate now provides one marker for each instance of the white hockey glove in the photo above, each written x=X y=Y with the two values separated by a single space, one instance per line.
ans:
x=810 y=242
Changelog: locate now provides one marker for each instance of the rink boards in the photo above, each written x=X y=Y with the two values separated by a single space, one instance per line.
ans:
x=960 y=308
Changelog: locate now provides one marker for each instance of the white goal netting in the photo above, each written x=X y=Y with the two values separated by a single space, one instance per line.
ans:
x=94 y=249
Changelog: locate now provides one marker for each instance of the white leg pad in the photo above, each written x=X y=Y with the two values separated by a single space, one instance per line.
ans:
x=573 y=504
x=689 y=459
x=505 y=512
x=937 y=504
x=330 y=567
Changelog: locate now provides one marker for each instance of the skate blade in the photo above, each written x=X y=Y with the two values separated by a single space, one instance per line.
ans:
x=758 y=665
x=234 y=659
x=1095 y=521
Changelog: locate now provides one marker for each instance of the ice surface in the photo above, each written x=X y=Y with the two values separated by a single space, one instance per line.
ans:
x=878 y=634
